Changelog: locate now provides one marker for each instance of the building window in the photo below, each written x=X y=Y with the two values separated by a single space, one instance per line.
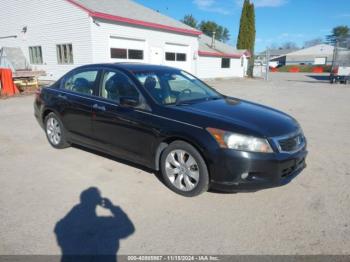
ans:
x=123 y=53
x=135 y=54
x=35 y=55
x=65 y=54
x=180 y=57
x=170 y=56
x=119 y=53
x=225 y=62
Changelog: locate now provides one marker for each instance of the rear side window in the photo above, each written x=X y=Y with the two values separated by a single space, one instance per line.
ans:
x=81 y=82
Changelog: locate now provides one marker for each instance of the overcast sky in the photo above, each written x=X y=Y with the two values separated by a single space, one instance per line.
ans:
x=277 y=21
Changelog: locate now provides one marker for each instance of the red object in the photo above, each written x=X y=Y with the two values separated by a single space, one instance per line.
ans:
x=8 y=88
x=273 y=69
x=133 y=21
x=317 y=69
x=294 y=70
x=335 y=70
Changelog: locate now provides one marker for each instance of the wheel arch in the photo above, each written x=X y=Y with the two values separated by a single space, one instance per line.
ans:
x=168 y=140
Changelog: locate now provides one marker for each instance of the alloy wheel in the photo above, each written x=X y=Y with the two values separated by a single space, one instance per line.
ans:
x=182 y=170
x=53 y=131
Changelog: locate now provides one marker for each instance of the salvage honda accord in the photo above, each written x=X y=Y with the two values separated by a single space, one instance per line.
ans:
x=170 y=121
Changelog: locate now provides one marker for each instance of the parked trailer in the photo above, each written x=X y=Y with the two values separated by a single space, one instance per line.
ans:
x=340 y=74
x=341 y=63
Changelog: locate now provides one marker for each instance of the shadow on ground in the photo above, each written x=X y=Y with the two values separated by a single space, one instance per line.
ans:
x=84 y=236
x=319 y=77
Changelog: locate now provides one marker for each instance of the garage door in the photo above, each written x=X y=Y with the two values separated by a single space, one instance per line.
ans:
x=127 y=49
x=177 y=55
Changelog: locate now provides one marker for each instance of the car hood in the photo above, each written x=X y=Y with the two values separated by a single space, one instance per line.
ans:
x=246 y=116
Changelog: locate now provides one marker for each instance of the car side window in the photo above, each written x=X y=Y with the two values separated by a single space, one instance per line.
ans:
x=116 y=85
x=82 y=82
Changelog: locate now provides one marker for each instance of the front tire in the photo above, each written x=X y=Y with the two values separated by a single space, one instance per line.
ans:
x=184 y=170
x=55 y=131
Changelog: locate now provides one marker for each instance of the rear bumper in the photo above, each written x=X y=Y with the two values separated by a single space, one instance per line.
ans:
x=242 y=171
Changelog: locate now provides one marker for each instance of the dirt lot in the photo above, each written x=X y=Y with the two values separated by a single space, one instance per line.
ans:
x=40 y=185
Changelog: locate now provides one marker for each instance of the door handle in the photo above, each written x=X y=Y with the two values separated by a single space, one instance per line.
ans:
x=97 y=107
x=62 y=97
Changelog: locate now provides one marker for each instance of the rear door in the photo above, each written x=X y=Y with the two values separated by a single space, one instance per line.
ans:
x=127 y=132
x=76 y=99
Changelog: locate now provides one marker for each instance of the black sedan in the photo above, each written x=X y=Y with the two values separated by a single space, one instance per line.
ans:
x=170 y=121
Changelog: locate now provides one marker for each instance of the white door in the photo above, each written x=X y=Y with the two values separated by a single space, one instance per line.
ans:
x=177 y=55
x=156 y=56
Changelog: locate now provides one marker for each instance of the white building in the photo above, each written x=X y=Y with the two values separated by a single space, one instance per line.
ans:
x=59 y=35
x=321 y=54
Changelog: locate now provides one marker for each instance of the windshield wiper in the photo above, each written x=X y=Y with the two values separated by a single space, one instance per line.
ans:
x=198 y=100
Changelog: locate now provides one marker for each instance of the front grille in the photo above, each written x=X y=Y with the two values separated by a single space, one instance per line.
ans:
x=292 y=143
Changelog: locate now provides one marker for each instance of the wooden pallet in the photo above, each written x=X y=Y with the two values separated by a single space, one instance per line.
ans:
x=26 y=83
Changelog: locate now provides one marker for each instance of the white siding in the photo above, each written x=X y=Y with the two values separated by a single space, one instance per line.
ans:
x=49 y=22
x=153 y=39
x=210 y=67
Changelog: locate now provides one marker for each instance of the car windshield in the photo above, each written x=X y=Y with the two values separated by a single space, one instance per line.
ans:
x=169 y=87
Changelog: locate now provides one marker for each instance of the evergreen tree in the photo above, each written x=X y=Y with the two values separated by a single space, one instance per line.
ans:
x=247 y=32
x=190 y=21
x=221 y=33
x=339 y=33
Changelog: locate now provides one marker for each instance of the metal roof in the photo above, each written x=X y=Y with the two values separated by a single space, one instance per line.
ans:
x=220 y=49
x=278 y=52
x=127 y=11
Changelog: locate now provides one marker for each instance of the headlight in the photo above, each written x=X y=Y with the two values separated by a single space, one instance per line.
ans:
x=240 y=142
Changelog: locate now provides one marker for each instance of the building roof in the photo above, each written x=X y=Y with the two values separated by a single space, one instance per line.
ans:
x=127 y=11
x=321 y=49
x=278 y=52
x=219 y=50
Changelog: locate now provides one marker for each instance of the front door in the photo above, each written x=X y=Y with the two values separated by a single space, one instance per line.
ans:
x=125 y=131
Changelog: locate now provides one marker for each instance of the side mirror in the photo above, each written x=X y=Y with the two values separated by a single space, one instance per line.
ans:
x=129 y=101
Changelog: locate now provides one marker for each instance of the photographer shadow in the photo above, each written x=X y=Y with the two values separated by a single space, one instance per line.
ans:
x=84 y=236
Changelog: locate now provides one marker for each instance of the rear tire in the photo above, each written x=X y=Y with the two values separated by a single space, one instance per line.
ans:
x=55 y=131
x=184 y=170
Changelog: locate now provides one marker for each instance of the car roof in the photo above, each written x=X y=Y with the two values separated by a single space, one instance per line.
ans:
x=132 y=67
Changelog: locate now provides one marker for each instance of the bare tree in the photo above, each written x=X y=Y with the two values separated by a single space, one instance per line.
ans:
x=313 y=42
x=289 y=45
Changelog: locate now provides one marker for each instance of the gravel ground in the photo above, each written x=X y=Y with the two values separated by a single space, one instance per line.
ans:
x=40 y=185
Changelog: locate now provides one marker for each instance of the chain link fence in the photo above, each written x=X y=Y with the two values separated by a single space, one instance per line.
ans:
x=341 y=62
x=261 y=66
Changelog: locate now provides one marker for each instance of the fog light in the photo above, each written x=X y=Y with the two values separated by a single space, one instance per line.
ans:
x=244 y=176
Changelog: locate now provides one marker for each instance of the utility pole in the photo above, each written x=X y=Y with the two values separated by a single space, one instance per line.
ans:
x=267 y=64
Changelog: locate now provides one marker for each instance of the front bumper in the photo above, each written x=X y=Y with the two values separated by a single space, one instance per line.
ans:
x=235 y=171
